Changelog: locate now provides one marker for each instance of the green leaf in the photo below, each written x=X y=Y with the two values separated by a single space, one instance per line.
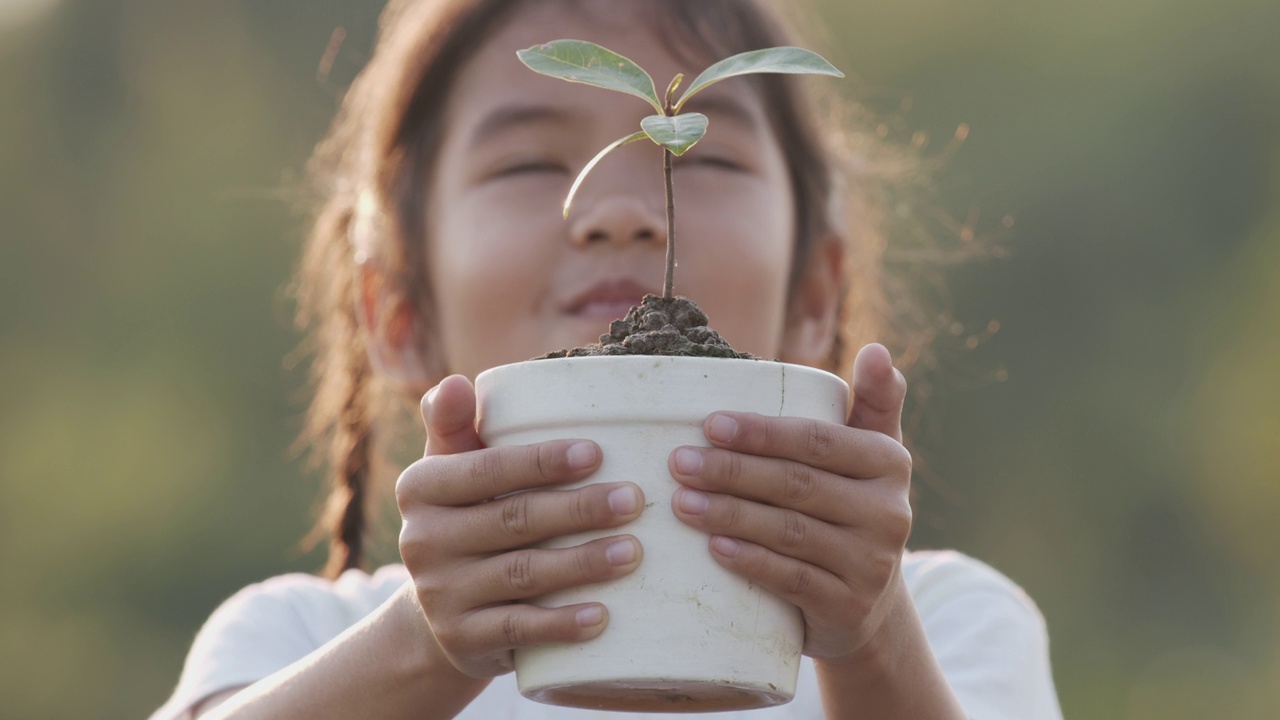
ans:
x=677 y=133
x=788 y=60
x=588 y=63
x=573 y=190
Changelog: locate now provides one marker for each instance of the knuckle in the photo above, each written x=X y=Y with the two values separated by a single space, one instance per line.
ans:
x=793 y=531
x=416 y=543
x=487 y=467
x=585 y=564
x=587 y=507
x=418 y=483
x=732 y=514
x=518 y=572
x=427 y=588
x=798 y=483
x=819 y=440
x=410 y=545
x=546 y=461
x=404 y=489
x=430 y=587
x=447 y=635
x=515 y=515
x=799 y=580
x=515 y=630
x=899 y=383
x=900 y=522
x=733 y=469
x=770 y=435
x=902 y=459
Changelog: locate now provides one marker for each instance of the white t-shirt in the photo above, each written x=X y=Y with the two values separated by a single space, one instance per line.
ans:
x=987 y=634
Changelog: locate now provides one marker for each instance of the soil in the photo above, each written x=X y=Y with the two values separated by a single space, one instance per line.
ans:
x=659 y=326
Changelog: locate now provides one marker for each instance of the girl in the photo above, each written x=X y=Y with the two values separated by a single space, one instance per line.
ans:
x=440 y=252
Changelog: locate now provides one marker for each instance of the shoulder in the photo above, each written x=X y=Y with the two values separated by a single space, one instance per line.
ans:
x=271 y=624
x=349 y=598
x=987 y=634
x=313 y=606
x=938 y=577
x=957 y=597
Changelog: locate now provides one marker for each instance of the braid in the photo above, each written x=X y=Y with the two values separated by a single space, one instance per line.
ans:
x=340 y=421
x=350 y=461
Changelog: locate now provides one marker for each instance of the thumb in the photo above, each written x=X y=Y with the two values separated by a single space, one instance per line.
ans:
x=879 y=390
x=449 y=412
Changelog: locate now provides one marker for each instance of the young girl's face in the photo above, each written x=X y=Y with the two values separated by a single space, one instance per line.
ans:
x=514 y=280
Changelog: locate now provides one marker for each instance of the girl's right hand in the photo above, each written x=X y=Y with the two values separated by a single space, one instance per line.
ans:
x=468 y=529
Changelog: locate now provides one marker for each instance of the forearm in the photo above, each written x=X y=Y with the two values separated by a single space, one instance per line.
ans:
x=894 y=676
x=386 y=666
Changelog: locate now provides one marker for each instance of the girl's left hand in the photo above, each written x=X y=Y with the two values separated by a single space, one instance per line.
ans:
x=817 y=513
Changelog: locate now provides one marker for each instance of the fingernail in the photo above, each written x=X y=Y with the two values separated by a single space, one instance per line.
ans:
x=589 y=616
x=431 y=394
x=688 y=461
x=722 y=428
x=622 y=552
x=726 y=546
x=624 y=500
x=692 y=501
x=581 y=455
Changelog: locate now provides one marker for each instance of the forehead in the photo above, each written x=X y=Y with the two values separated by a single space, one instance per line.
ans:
x=494 y=75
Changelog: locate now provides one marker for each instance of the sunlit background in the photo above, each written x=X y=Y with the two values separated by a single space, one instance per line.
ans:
x=1115 y=447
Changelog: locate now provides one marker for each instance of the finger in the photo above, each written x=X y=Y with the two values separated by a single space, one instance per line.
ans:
x=795 y=581
x=781 y=483
x=480 y=475
x=523 y=518
x=781 y=530
x=845 y=451
x=531 y=572
x=879 y=391
x=449 y=413
x=506 y=627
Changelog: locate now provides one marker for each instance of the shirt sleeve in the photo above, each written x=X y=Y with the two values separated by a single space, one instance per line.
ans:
x=250 y=636
x=988 y=636
x=268 y=626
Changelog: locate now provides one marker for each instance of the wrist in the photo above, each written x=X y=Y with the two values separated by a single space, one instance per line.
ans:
x=894 y=674
x=883 y=648
x=421 y=658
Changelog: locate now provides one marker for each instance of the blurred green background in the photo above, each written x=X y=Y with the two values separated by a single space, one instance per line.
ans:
x=1115 y=447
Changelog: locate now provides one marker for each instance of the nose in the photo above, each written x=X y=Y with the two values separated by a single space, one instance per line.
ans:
x=619 y=219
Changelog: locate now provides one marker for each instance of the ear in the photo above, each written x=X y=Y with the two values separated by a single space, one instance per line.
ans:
x=810 y=331
x=388 y=324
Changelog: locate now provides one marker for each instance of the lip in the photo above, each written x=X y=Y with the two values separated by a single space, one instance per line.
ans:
x=607 y=299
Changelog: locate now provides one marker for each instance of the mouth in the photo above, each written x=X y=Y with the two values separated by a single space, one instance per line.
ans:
x=607 y=300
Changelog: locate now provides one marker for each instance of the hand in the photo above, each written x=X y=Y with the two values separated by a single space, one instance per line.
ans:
x=468 y=529
x=815 y=512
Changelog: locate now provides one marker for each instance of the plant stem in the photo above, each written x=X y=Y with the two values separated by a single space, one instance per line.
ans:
x=668 y=284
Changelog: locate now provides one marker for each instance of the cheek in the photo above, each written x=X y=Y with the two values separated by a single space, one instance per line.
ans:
x=490 y=265
x=735 y=259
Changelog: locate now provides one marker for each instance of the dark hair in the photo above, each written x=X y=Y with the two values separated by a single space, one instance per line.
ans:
x=371 y=173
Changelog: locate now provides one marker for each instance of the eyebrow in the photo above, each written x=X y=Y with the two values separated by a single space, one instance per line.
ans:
x=506 y=117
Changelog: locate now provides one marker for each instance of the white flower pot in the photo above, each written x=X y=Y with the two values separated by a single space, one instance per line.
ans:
x=684 y=634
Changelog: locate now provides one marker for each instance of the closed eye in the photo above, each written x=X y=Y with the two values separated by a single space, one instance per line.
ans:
x=711 y=162
x=528 y=167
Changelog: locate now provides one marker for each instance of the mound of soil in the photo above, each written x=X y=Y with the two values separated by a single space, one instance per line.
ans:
x=659 y=326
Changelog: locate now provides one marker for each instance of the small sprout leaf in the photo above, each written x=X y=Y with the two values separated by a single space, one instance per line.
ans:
x=789 y=60
x=588 y=63
x=573 y=190
x=676 y=133
x=671 y=89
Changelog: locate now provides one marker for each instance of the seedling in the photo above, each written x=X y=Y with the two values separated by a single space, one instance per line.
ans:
x=590 y=64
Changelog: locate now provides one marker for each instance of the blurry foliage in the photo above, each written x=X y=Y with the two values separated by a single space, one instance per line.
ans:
x=1112 y=448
